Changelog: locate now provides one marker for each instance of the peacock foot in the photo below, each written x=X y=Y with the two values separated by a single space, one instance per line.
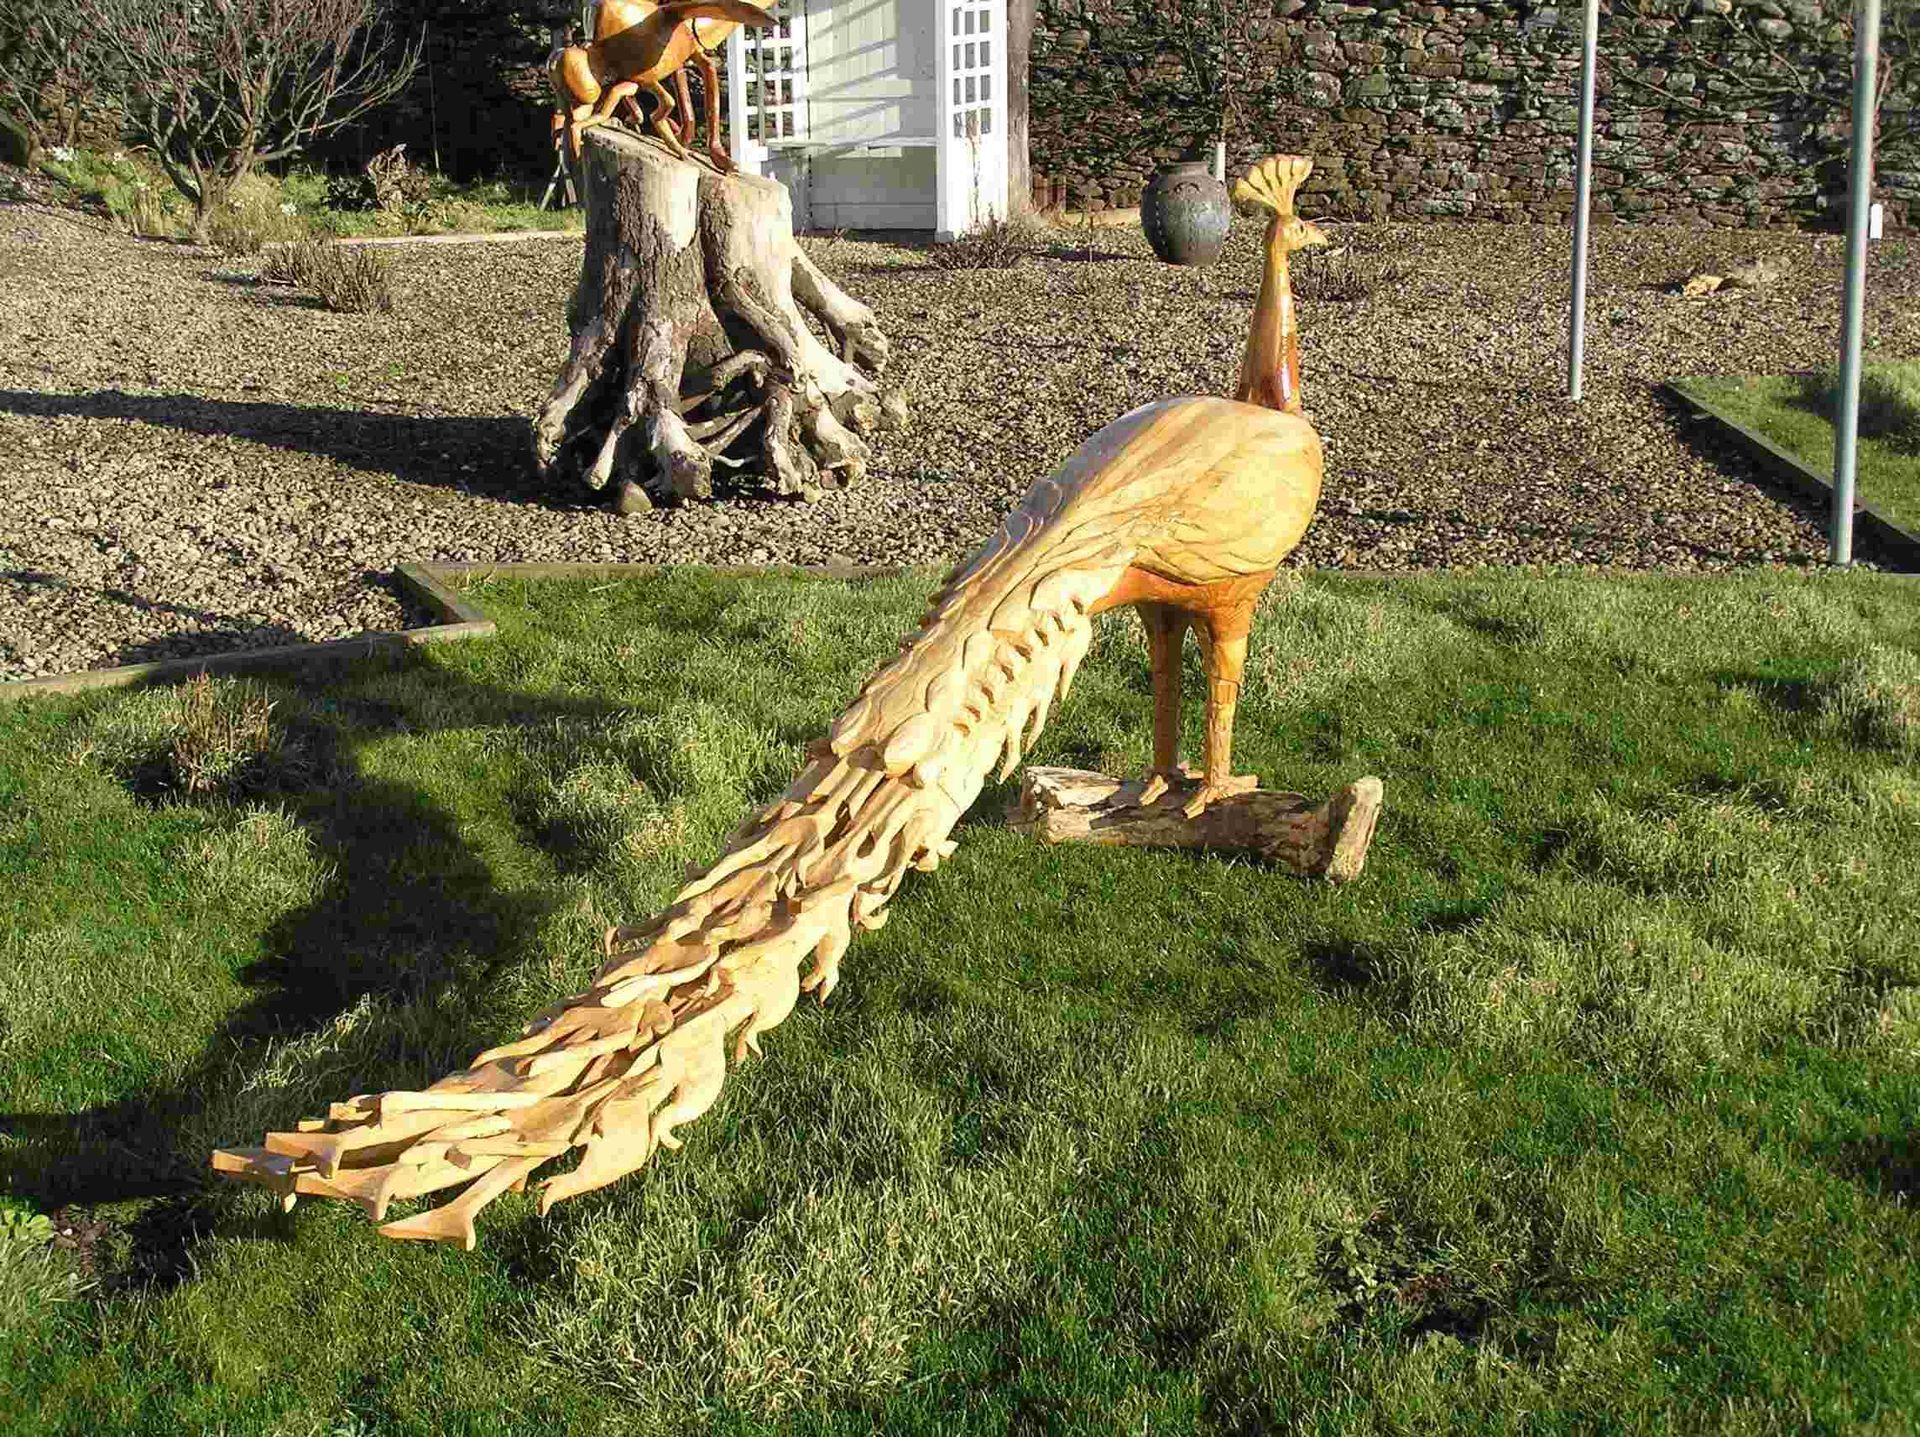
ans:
x=1160 y=782
x=1211 y=791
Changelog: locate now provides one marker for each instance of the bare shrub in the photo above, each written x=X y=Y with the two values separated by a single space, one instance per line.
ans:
x=348 y=278
x=997 y=243
x=216 y=88
x=1343 y=277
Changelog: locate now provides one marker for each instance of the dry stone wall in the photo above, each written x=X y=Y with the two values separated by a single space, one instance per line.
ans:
x=1728 y=112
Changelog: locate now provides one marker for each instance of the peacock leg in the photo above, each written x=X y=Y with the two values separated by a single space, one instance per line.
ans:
x=1166 y=628
x=1223 y=642
x=710 y=87
x=689 y=126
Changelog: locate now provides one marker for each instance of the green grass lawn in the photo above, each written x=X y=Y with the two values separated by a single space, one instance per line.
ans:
x=1590 y=1107
x=1785 y=408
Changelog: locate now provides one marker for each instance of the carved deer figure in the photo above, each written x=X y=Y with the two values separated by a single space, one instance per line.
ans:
x=1184 y=508
x=610 y=17
x=592 y=80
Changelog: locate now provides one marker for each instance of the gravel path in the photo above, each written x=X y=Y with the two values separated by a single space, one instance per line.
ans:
x=191 y=462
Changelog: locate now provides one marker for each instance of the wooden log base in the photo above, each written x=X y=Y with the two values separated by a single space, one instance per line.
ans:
x=1072 y=805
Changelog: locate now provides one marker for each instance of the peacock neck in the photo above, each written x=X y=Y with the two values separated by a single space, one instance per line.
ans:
x=1270 y=374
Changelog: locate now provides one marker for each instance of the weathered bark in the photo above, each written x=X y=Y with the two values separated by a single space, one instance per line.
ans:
x=1020 y=16
x=690 y=348
x=1070 y=805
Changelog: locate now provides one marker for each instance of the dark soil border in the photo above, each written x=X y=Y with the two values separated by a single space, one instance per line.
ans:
x=430 y=587
x=1900 y=545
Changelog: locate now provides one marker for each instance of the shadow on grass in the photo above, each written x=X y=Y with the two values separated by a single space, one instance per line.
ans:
x=1792 y=698
x=409 y=913
x=490 y=455
x=1887 y=1167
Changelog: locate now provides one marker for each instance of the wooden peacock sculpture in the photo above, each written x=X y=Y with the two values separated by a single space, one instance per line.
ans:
x=1184 y=508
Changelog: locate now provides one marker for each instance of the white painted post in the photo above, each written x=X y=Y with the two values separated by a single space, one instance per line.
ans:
x=1582 y=201
x=1853 y=311
x=970 y=143
x=767 y=90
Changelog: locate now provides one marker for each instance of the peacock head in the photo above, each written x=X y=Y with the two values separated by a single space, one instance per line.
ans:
x=1297 y=233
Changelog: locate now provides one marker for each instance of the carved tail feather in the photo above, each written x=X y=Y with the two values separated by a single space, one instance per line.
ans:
x=615 y=1070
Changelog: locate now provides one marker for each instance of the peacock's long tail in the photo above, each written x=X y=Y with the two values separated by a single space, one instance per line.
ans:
x=617 y=1069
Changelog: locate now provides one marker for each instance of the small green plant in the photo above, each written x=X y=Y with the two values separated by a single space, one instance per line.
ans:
x=124 y=184
x=250 y=216
x=20 y=1224
x=33 y=1276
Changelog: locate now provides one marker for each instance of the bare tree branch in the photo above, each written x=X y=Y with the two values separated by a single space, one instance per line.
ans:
x=43 y=70
x=216 y=87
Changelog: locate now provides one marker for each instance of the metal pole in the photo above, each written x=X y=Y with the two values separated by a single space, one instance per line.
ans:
x=1846 y=425
x=1582 y=196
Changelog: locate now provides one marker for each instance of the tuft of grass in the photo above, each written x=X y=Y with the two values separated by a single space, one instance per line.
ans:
x=1889 y=401
x=202 y=739
x=1875 y=697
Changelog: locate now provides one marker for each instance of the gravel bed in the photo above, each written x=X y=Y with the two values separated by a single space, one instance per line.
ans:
x=190 y=461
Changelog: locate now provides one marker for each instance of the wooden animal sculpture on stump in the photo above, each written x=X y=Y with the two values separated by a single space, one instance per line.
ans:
x=1184 y=508
x=610 y=17
x=592 y=80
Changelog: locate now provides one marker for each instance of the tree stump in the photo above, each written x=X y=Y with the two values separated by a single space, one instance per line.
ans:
x=690 y=348
x=1328 y=840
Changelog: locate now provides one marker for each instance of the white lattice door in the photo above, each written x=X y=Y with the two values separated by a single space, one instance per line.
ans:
x=972 y=135
x=767 y=100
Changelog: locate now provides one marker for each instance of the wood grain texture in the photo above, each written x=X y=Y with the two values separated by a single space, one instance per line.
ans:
x=1327 y=840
